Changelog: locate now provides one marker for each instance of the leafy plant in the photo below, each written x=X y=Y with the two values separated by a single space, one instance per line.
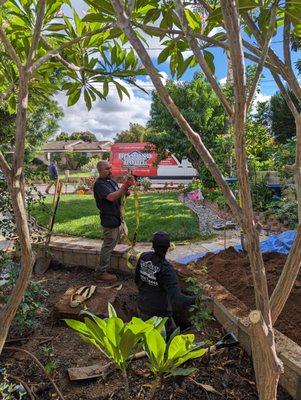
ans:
x=114 y=338
x=10 y=390
x=90 y=166
x=146 y=183
x=261 y=195
x=285 y=211
x=31 y=307
x=199 y=314
x=51 y=364
x=165 y=359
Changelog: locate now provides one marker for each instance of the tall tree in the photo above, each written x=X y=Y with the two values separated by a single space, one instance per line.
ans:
x=201 y=108
x=136 y=133
x=36 y=41
x=86 y=136
x=42 y=123
x=282 y=120
x=261 y=21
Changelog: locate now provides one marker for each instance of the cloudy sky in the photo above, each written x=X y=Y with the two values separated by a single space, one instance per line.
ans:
x=107 y=118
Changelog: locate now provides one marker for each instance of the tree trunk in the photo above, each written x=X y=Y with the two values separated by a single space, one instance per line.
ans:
x=8 y=312
x=16 y=188
x=268 y=367
x=298 y=164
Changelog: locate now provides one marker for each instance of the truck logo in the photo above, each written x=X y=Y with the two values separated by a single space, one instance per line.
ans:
x=135 y=158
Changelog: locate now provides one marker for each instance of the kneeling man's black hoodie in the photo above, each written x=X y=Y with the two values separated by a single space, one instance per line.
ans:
x=158 y=286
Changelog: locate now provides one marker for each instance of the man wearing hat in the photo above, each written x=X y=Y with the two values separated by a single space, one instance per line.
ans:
x=157 y=282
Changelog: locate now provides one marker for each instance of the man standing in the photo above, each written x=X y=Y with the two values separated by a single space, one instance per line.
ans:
x=158 y=284
x=108 y=200
x=53 y=175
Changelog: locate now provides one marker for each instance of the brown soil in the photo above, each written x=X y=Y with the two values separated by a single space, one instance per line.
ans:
x=229 y=371
x=232 y=270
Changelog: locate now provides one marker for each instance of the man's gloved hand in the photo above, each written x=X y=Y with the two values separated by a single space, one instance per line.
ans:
x=130 y=181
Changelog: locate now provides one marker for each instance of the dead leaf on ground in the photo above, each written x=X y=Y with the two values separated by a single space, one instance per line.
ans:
x=206 y=387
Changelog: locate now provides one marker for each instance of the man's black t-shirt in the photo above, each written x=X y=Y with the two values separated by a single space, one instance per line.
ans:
x=109 y=210
x=158 y=286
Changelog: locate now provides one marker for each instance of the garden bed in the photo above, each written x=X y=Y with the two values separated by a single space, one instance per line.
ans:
x=232 y=270
x=229 y=371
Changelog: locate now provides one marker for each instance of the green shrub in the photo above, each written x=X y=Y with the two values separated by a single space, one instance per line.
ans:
x=285 y=211
x=29 y=311
x=90 y=165
x=261 y=195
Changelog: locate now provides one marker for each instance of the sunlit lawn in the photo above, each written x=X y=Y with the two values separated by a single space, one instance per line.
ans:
x=78 y=216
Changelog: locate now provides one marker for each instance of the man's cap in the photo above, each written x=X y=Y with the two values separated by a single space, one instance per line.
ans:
x=161 y=239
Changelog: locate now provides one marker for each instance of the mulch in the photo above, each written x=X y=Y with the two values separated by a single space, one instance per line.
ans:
x=232 y=270
x=228 y=371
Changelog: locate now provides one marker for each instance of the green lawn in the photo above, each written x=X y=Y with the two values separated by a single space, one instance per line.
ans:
x=78 y=216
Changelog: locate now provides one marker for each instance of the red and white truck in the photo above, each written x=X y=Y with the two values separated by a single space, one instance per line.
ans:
x=140 y=159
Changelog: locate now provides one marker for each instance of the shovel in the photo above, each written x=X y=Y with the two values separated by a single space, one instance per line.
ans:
x=43 y=261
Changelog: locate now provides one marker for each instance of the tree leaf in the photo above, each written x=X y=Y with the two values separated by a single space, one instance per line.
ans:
x=209 y=57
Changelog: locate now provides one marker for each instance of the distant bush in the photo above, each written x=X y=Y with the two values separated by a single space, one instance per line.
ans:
x=91 y=165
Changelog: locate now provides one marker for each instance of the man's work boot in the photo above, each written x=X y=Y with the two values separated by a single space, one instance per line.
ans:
x=106 y=277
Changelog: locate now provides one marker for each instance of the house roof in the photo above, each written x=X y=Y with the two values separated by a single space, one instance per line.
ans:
x=60 y=145
x=76 y=145
x=90 y=145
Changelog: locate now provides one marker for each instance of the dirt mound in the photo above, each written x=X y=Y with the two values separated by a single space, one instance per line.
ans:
x=233 y=271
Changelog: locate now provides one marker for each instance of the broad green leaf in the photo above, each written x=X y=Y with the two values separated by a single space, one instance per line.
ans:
x=190 y=356
x=209 y=57
x=127 y=343
x=180 y=345
x=74 y=97
x=111 y=311
x=165 y=53
x=194 y=19
x=87 y=100
x=78 y=326
x=156 y=345
x=115 y=327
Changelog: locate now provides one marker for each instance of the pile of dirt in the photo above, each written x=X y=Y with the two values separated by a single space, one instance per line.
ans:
x=232 y=270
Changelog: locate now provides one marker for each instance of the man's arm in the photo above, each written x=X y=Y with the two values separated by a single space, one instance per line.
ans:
x=120 y=192
x=170 y=282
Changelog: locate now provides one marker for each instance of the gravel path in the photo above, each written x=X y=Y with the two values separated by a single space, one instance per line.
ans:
x=207 y=218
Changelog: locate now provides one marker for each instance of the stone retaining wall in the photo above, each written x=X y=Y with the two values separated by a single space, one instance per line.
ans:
x=88 y=257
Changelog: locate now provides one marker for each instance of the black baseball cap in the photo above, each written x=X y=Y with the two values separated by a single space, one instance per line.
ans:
x=161 y=239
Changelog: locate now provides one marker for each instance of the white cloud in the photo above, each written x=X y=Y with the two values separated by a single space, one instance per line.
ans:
x=223 y=81
x=107 y=117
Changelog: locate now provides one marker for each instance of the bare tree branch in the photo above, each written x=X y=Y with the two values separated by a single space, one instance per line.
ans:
x=205 y=38
x=195 y=139
x=201 y=60
x=10 y=49
x=4 y=166
x=286 y=41
x=22 y=106
x=232 y=25
x=53 y=53
x=264 y=53
x=286 y=73
x=285 y=94
x=287 y=278
x=36 y=32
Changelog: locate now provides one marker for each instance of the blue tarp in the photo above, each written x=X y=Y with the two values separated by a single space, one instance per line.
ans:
x=280 y=243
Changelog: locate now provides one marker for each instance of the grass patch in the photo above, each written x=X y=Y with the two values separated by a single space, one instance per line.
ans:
x=78 y=216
